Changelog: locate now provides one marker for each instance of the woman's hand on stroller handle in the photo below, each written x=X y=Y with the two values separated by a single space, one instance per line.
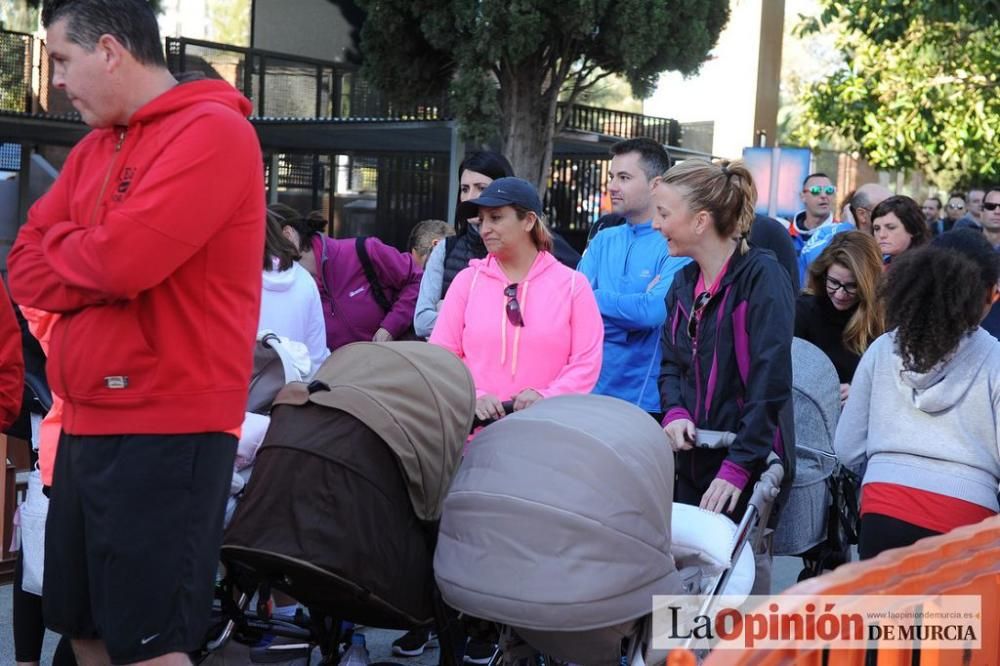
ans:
x=490 y=408
x=681 y=434
x=720 y=496
x=525 y=399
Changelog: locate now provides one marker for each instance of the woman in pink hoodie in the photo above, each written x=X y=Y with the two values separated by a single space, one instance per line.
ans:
x=526 y=326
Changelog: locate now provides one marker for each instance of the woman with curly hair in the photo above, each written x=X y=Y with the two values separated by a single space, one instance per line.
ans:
x=840 y=311
x=898 y=225
x=921 y=414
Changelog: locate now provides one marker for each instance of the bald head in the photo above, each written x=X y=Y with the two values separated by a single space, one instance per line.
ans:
x=864 y=201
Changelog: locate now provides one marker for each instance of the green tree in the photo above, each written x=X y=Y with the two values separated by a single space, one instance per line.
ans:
x=918 y=89
x=505 y=63
x=230 y=22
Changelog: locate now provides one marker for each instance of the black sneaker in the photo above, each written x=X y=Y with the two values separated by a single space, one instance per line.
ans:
x=414 y=642
x=479 y=653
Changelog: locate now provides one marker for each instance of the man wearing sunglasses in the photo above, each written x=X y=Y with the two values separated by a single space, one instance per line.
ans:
x=630 y=270
x=973 y=211
x=813 y=228
x=990 y=217
x=954 y=211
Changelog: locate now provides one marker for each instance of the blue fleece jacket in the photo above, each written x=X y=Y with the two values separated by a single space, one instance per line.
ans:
x=630 y=270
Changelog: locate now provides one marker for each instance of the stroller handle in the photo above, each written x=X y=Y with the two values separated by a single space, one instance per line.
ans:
x=715 y=439
x=508 y=408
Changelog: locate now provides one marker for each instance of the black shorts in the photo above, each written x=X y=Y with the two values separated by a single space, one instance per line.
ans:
x=132 y=540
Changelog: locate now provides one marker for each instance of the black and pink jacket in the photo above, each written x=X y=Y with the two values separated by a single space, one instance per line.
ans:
x=737 y=375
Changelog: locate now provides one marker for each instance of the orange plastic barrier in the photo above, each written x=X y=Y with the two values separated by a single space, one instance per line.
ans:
x=965 y=561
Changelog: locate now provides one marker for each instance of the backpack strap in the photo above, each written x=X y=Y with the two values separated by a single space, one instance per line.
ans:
x=369 y=268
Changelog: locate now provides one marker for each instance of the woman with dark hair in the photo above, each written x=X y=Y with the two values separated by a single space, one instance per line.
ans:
x=356 y=308
x=921 y=419
x=290 y=304
x=898 y=225
x=476 y=172
x=728 y=337
x=840 y=311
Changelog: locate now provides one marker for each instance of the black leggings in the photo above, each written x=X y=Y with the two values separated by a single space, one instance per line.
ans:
x=29 y=628
x=880 y=533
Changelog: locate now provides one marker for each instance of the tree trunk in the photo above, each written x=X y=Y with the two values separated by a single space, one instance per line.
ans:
x=529 y=113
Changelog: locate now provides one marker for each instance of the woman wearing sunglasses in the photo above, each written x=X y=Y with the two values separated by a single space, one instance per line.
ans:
x=840 y=312
x=898 y=225
x=921 y=418
x=728 y=337
x=526 y=326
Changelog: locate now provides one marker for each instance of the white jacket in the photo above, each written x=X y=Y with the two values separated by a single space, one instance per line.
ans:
x=290 y=307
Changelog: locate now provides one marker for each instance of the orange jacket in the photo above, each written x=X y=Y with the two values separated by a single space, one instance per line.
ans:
x=40 y=324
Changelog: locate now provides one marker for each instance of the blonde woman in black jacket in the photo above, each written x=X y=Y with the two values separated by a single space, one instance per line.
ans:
x=727 y=341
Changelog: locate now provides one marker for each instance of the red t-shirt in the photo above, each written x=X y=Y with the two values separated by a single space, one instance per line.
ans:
x=922 y=508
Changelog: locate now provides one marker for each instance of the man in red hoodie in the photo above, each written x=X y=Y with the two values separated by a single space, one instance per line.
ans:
x=148 y=246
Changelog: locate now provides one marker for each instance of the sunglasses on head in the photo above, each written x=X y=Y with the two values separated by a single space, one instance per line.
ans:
x=816 y=190
x=699 y=306
x=513 y=307
x=991 y=206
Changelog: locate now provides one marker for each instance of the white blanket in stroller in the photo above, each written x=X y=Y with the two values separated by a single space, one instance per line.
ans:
x=702 y=543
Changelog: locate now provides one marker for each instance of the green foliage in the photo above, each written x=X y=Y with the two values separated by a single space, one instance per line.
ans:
x=229 y=21
x=918 y=90
x=488 y=55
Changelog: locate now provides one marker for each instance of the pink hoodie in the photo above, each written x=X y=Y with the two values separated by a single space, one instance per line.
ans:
x=557 y=351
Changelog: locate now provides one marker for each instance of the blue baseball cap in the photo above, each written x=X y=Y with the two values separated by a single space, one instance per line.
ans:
x=503 y=192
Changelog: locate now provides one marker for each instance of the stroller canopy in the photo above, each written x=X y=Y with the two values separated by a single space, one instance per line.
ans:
x=418 y=398
x=559 y=518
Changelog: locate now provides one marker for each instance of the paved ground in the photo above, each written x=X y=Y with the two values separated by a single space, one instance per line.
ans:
x=379 y=641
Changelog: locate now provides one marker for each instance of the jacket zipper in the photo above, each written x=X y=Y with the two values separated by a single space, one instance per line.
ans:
x=107 y=175
x=93 y=216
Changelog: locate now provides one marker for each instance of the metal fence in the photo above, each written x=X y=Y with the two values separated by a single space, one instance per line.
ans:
x=573 y=200
x=283 y=86
x=10 y=156
x=623 y=124
x=15 y=71
x=382 y=196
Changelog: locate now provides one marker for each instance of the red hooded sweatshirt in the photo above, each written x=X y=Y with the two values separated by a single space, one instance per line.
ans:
x=149 y=245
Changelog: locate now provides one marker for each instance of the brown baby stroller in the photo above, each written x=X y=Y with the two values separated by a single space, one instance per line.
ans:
x=341 y=511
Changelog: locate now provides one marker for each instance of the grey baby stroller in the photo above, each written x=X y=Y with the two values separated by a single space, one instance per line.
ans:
x=819 y=520
x=560 y=527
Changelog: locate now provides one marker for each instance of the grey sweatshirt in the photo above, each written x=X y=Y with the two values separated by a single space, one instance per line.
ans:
x=936 y=431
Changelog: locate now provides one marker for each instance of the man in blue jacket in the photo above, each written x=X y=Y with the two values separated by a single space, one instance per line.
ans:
x=630 y=269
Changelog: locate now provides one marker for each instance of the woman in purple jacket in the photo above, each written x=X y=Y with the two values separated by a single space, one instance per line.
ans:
x=356 y=307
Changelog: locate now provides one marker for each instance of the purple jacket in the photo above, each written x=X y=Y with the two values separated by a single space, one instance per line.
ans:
x=349 y=309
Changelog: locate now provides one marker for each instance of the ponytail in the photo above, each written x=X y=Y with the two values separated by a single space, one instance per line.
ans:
x=725 y=190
